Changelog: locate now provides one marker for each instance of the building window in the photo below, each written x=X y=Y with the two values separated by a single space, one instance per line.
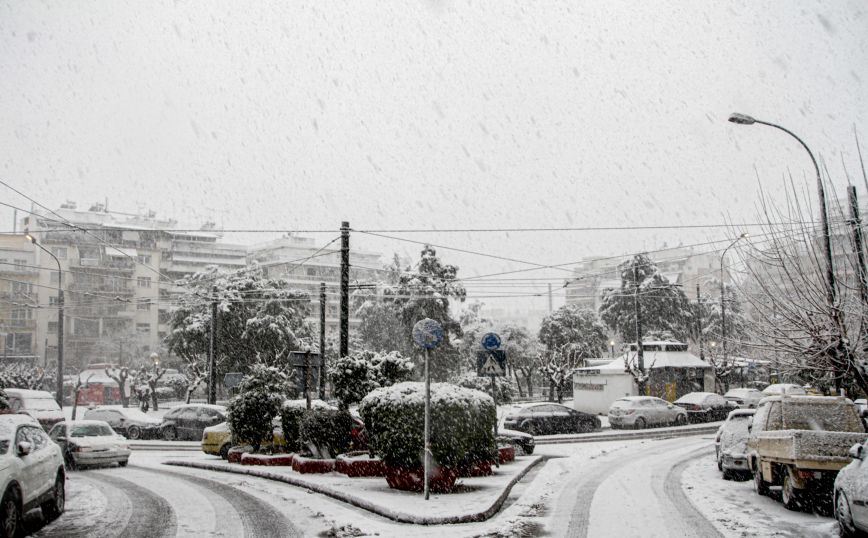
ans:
x=161 y=335
x=144 y=304
x=144 y=259
x=60 y=252
x=143 y=328
x=144 y=281
x=53 y=300
x=19 y=344
x=52 y=327
x=55 y=277
x=22 y=288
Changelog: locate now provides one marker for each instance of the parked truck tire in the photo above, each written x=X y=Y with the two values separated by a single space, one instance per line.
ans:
x=759 y=485
x=791 y=496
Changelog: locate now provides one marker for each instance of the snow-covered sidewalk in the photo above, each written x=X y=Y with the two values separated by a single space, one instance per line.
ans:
x=475 y=499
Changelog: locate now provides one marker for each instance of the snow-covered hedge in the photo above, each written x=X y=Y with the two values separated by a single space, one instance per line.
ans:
x=259 y=399
x=291 y=413
x=356 y=375
x=326 y=432
x=462 y=423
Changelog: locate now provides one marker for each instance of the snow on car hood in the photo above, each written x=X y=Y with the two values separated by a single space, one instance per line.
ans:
x=222 y=427
x=99 y=441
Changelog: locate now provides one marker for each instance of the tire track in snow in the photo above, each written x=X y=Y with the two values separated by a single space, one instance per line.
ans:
x=258 y=518
x=587 y=486
x=692 y=522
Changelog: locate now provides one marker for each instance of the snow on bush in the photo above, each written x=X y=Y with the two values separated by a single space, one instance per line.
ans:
x=291 y=413
x=326 y=432
x=259 y=399
x=356 y=375
x=506 y=387
x=462 y=423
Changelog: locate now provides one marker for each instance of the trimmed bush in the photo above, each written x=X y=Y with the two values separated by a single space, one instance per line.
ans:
x=326 y=432
x=356 y=375
x=259 y=399
x=462 y=424
x=290 y=420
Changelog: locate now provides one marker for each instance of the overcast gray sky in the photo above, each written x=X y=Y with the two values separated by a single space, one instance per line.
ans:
x=430 y=114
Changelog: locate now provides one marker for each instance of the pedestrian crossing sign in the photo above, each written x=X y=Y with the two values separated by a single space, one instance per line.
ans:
x=491 y=363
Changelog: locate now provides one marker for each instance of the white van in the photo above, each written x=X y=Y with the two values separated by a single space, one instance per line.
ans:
x=39 y=404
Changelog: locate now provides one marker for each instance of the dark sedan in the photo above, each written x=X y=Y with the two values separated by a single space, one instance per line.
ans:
x=187 y=422
x=705 y=406
x=545 y=418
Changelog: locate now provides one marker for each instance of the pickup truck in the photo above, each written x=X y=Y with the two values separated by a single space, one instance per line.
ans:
x=800 y=443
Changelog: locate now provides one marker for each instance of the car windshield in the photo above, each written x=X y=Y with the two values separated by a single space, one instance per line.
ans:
x=625 y=404
x=91 y=430
x=41 y=404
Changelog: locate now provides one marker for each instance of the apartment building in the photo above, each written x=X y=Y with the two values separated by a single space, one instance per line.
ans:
x=18 y=278
x=305 y=264
x=118 y=272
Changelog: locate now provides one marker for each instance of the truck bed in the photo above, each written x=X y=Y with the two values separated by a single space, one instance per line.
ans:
x=807 y=448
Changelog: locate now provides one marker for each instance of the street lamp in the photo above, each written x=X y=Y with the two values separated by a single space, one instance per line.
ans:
x=722 y=301
x=59 y=385
x=744 y=119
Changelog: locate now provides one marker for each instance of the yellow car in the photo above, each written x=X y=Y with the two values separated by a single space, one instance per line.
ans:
x=217 y=440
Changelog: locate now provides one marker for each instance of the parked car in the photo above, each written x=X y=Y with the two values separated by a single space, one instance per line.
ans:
x=131 y=423
x=861 y=406
x=745 y=398
x=39 y=404
x=642 y=411
x=851 y=494
x=31 y=473
x=784 y=388
x=522 y=440
x=546 y=418
x=800 y=443
x=730 y=443
x=90 y=442
x=188 y=421
x=704 y=406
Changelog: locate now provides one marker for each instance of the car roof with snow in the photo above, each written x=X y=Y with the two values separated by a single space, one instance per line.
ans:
x=27 y=393
x=9 y=422
x=741 y=413
x=697 y=397
x=220 y=408
x=740 y=390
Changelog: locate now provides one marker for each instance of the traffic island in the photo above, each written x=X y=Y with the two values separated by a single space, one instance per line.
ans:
x=472 y=499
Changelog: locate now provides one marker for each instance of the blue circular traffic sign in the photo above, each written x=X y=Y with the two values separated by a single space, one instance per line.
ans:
x=490 y=341
x=427 y=333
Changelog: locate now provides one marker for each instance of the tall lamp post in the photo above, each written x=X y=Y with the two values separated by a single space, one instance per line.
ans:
x=744 y=119
x=723 y=301
x=59 y=386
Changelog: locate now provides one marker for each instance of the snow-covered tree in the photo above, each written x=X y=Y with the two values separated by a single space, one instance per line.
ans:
x=120 y=376
x=426 y=293
x=709 y=321
x=21 y=376
x=260 y=320
x=357 y=374
x=662 y=306
x=570 y=335
x=506 y=387
x=260 y=396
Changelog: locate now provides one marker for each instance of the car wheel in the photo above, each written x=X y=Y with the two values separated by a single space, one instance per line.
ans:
x=529 y=427
x=727 y=474
x=528 y=450
x=134 y=432
x=789 y=494
x=759 y=485
x=69 y=461
x=844 y=515
x=639 y=424
x=169 y=433
x=224 y=451
x=10 y=514
x=681 y=420
x=719 y=463
x=52 y=509
x=123 y=463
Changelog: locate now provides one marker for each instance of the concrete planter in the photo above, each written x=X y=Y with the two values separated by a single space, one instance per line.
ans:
x=304 y=465
x=479 y=468
x=442 y=479
x=506 y=454
x=267 y=460
x=359 y=464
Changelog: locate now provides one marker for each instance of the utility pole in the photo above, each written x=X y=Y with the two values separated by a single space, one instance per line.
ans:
x=699 y=323
x=212 y=374
x=59 y=381
x=322 y=351
x=550 y=298
x=345 y=290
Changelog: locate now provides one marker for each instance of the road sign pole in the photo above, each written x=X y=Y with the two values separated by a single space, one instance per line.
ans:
x=427 y=425
x=494 y=397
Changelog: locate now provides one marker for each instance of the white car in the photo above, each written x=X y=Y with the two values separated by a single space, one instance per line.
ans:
x=730 y=443
x=90 y=442
x=31 y=473
x=784 y=388
x=39 y=404
x=745 y=398
x=851 y=494
x=639 y=412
